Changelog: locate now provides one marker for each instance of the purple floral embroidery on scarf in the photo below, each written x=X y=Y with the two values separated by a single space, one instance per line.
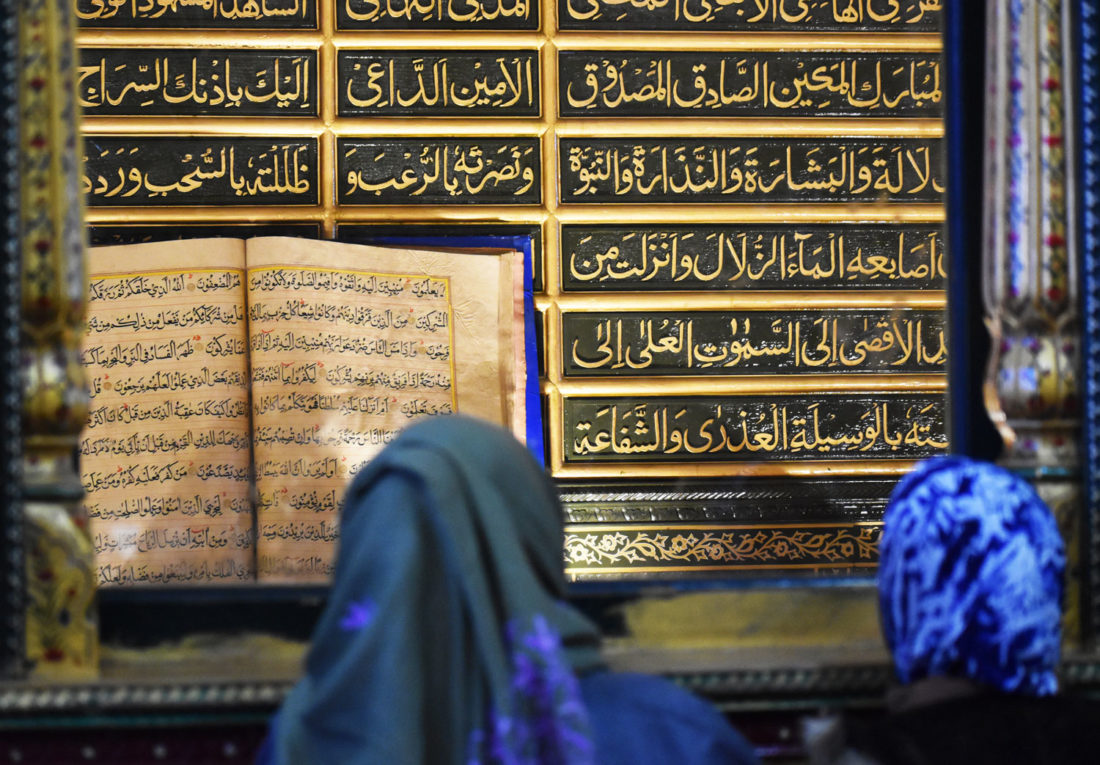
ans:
x=550 y=725
x=358 y=615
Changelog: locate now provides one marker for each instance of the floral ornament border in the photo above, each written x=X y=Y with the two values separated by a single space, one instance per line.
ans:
x=11 y=506
x=1088 y=179
x=727 y=548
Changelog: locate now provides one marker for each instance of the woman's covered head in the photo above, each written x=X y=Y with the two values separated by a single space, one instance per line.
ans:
x=971 y=578
x=446 y=613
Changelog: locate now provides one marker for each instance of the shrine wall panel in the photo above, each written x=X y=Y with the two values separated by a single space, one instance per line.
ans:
x=735 y=208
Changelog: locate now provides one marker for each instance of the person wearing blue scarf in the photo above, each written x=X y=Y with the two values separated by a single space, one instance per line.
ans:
x=971 y=578
x=970 y=583
x=447 y=640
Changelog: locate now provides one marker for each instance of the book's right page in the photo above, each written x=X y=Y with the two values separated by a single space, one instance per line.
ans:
x=349 y=344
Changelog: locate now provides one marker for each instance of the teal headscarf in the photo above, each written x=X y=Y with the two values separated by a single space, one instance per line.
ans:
x=446 y=638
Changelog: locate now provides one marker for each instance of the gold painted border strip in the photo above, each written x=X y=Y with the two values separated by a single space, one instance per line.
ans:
x=716 y=214
x=575 y=571
x=441 y=44
x=532 y=214
x=732 y=526
x=823 y=42
x=208 y=214
x=273 y=128
x=710 y=128
x=742 y=299
x=751 y=212
x=326 y=18
x=818 y=469
x=413 y=38
x=503 y=128
x=700 y=128
x=200 y=43
x=744 y=385
x=200 y=38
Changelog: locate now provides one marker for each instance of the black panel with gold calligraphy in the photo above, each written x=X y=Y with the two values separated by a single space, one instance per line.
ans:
x=685 y=429
x=773 y=341
x=207 y=14
x=752 y=15
x=453 y=15
x=751 y=257
x=184 y=82
x=482 y=83
x=450 y=171
x=169 y=170
x=603 y=83
x=750 y=170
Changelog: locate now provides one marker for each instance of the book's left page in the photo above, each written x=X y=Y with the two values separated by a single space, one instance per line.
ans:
x=166 y=453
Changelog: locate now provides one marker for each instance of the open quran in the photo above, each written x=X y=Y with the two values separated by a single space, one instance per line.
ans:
x=238 y=385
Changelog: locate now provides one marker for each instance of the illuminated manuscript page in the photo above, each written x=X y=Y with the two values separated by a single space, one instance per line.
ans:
x=349 y=344
x=165 y=454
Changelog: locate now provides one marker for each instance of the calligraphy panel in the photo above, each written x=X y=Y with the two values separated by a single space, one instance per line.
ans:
x=386 y=171
x=750 y=170
x=753 y=15
x=184 y=82
x=740 y=286
x=660 y=257
x=168 y=170
x=603 y=83
x=482 y=83
x=882 y=340
x=692 y=429
x=196 y=14
x=452 y=15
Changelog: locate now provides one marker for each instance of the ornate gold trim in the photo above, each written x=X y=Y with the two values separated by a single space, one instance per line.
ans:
x=601 y=549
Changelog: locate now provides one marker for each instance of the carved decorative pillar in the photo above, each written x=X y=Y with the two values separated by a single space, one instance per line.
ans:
x=1030 y=282
x=61 y=630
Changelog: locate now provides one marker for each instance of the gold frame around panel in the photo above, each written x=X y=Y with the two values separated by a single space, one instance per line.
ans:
x=741 y=385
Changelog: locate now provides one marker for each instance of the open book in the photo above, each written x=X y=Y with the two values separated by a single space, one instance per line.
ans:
x=238 y=385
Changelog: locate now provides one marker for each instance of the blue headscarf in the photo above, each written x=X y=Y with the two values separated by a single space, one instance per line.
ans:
x=446 y=638
x=971 y=578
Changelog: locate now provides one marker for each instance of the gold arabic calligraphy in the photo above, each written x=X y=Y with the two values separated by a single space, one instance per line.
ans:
x=142 y=82
x=210 y=9
x=664 y=169
x=694 y=343
x=837 y=14
x=443 y=170
x=741 y=430
x=817 y=84
x=276 y=169
x=380 y=84
x=699 y=258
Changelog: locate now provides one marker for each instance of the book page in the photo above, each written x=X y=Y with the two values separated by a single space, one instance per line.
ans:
x=165 y=455
x=349 y=344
